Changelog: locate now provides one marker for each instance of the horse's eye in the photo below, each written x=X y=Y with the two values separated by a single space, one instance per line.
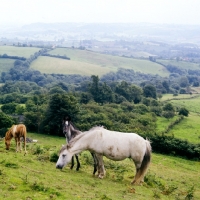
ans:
x=63 y=155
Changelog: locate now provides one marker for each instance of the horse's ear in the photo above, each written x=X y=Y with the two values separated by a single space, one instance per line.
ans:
x=67 y=118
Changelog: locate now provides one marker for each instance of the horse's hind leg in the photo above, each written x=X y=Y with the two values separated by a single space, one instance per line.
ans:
x=78 y=163
x=137 y=176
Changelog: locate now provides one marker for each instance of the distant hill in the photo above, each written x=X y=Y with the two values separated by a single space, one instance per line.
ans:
x=85 y=62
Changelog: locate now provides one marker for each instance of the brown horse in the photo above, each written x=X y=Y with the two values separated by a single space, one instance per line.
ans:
x=16 y=131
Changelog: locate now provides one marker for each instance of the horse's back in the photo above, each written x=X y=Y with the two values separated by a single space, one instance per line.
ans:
x=117 y=145
x=21 y=130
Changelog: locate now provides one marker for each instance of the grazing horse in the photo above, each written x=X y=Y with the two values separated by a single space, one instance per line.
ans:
x=114 y=145
x=16 y=131
x=71 y=132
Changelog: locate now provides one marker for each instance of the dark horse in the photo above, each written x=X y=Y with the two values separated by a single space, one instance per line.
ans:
x=70 y=132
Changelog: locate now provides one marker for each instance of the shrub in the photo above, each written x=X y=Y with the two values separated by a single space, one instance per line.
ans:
x=184 y=112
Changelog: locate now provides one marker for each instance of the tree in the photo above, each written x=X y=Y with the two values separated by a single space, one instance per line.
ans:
x=94 y=87
x=5 y=122
x=132 y=93
x=168 y=107
x=184 y=112
x=168 y=111
x=149 y=91
x=9 y=108
x=184 y=82
x=166 y=85
x=60 y=105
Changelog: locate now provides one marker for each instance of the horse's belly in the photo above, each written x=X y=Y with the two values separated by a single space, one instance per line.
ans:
x=116 y=155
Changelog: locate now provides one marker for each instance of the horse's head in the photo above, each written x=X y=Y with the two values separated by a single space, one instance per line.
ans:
x=7 y=143
x=64 y=157
x=7 y=140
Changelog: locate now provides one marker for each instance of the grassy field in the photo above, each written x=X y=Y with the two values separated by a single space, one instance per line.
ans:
x=6 y=64
x=18 y=51
x=180 y=64
x=34 y=177
x=191 y=104
x=90 y=63
x=189 y=128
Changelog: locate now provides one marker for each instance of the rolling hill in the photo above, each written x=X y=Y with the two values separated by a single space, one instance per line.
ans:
x=85 y=62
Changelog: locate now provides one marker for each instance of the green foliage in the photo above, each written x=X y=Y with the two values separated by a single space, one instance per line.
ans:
x=169 y=145
x=60 y=105
x=184 y=112
x=9 y=108
x=5 y=122
x=53 y=157
x=149 y=91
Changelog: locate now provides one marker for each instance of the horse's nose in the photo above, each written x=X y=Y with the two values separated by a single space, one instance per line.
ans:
x=58 y=166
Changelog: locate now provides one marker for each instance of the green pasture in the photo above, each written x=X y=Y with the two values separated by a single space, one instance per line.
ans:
x=18 y=51
x=6 y=64
x=167 y=97
x=34 y=177
x=188 y=129
x=51 y=65
x=92 y=63
x=191 y=104
x=180 y=64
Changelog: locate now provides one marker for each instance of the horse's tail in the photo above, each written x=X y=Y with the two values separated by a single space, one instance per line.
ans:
x=146 y=160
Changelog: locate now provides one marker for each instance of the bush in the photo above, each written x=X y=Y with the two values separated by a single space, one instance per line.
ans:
x=184 y=112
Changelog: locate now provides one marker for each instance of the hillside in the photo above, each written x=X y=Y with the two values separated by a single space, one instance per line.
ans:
x=18 y=51
x=6 y=64
x=34 y=177
x=85 y=62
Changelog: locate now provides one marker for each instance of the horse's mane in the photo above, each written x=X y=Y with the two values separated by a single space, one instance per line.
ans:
x=77 y=137
x=81 y=134
x=97 y=127
x=9 y=133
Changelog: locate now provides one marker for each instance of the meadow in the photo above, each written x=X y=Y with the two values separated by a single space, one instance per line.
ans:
x=181 y=64
x=188 y=128
x=91 y=63
x=18 y=51
x=34 y=176
x=6 y=64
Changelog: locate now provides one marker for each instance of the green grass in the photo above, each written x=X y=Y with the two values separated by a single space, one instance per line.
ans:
x=90 y=63
x=34 y=177
x=191 y=104
x=6 y=64
x=166 y=97
x=18 y=51
x=188 y=129
x=180 y=64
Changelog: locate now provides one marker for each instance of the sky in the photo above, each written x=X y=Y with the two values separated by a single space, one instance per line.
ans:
x=100 y=11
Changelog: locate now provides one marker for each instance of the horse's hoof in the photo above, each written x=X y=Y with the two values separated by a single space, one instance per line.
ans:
x=100 y=176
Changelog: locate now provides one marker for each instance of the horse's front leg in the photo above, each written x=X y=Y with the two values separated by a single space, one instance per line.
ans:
x=16 y=141
x=96 y=162
x=101 y=169
x=78 y=163
x=72 y=163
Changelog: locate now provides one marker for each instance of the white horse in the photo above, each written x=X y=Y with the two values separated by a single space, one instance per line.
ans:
x=114 y=145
